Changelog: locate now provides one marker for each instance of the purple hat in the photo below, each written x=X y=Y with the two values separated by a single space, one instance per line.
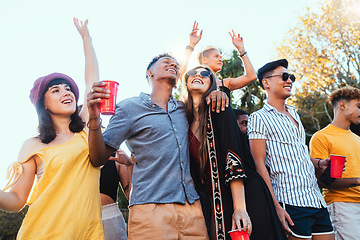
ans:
x=41 y=83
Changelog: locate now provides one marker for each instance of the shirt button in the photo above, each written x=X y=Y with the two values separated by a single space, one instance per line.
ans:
x=153 y=105
x=175 y=129
x=180 y=145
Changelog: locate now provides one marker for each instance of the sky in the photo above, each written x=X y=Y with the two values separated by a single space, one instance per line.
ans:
x=38 y=37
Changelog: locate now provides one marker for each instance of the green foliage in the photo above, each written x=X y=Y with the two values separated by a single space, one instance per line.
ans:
x=123 y=203
x=323 y=51
x=232 y=66
x=10 y=223
x=250 y=98
x=177 y=92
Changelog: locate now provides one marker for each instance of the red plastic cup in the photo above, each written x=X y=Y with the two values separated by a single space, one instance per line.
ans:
x=337 y=164
x=239 y=235
x=108 y=105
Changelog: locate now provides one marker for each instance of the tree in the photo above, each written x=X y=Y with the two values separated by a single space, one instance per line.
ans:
x=10 y=223
x=250 y=98
x=123 y=203
x=323 y=51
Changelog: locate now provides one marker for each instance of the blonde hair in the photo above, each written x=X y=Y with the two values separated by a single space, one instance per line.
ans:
x=204 y=53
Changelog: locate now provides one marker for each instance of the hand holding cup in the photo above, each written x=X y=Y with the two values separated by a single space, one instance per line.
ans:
x=337 y=164
x=97 y=92
x=108 y=105
x=239 y=235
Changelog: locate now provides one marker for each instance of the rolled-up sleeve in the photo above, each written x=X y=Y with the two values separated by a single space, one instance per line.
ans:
x=256 y=128
x=119 y=126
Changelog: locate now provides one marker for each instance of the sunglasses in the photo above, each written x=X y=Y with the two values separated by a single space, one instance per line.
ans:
x=285 y=76
x=203 y=73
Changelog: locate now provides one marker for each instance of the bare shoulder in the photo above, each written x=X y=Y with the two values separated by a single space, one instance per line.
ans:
x=29 y=147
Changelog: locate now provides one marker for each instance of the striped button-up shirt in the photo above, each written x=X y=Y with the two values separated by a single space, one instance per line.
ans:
x=292 y=173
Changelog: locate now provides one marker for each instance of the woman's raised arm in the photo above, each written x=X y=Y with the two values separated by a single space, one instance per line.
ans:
x=91 y=64
x=250 y=74
x=194 y=39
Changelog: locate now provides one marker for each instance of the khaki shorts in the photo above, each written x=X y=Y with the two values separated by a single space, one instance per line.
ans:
x=345 y=217
x=167 y=221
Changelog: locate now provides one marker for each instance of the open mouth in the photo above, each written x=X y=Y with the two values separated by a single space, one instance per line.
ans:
x=172 y=70
x=197 y=80
x=67 y=101
x=288 y=87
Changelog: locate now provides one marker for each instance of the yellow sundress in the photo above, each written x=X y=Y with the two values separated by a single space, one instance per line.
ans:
x=65 y=201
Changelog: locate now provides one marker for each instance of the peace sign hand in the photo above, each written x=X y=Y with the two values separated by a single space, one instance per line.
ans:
x=82 y=28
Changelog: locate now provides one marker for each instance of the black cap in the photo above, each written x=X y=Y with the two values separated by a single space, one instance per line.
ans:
x=270 y=67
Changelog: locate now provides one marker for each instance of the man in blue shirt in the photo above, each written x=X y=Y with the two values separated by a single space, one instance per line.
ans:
x=163 y=202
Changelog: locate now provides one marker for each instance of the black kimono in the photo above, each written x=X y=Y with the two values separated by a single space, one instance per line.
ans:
x=230 y=158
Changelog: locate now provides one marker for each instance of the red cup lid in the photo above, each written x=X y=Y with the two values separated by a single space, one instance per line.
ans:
x=337 y=155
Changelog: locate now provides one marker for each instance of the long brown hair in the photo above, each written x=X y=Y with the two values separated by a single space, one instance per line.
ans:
x=203 y=116
x=46 y=128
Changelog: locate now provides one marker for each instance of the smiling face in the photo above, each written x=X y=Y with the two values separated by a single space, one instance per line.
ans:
x=198 y=83
x=276 y=86
x=60 y=100
x=165 y=68
x=213 y=60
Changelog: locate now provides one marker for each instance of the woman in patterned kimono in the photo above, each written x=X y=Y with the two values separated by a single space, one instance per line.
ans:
x=54 y=174
x=219 y=179
x=223 y=169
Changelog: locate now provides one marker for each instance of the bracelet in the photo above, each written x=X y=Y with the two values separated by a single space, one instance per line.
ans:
x=190 y=48
x=243 y=53
x=319 y=163
x=96 y=128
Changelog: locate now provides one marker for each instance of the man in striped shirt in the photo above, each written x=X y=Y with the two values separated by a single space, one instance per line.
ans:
x=277 y=143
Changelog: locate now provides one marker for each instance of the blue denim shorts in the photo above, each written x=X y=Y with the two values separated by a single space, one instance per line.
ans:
x=308 y=221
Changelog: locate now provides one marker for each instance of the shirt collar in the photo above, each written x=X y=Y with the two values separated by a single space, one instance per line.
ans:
x=269 y=108
x=172 y=105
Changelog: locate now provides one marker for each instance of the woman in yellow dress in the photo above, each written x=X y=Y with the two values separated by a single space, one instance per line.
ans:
x=54 y=174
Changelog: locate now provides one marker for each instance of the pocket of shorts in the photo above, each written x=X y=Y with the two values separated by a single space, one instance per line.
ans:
x=197 y=204
x=332 y=212
x=153 y=206
x=136 y=211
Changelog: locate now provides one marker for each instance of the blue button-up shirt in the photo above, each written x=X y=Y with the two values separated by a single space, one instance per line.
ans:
x=159 y=141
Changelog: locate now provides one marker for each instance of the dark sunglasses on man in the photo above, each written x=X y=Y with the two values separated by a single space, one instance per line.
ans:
x=285 y=76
